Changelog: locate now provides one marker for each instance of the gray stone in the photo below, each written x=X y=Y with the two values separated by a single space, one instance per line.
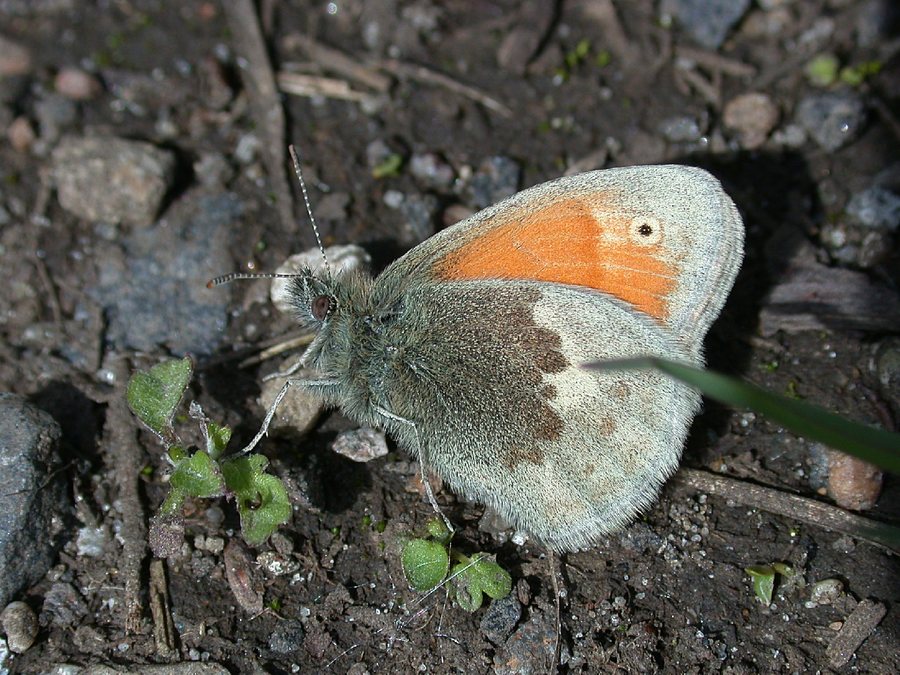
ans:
x=501 y=618
x=432 y=170
x=112 y=179
x=497 y=178
x=875 y=207
x=420 y=212
x=529 y=649
x=54 y=113
x=832 y=119
x=33 y=501
x=287 y=637
x=681 y=129
x=708 y=22
x=63 y=606
x=153 y=288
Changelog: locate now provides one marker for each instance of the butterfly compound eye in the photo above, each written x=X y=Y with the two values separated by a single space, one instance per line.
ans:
x=321 y=307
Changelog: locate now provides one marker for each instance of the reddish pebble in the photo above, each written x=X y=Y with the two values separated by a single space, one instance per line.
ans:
x=853 y=483
x=14 y=58
x=20 y=134
x=75 y=84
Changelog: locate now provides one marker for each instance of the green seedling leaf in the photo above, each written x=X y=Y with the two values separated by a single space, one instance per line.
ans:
x=262 y=499
x=813 y=423
x=197 y=476
x=822 y=71
x=425 y=563
x=856 y=75
x=763 y=582
x=154 y=395
x=438 y=531
x=177 y=454
x=172 y=503
x=466 y=586
x=217 y=438
x=476 y=577
x=783 y=569
x=495 y=581
x=389 y=167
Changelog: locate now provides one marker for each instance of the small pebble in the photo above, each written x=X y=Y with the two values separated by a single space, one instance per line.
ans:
x=497 y=178
x=432 y=170
x=681 y=129
x=876 y=207
x=832 y=119
x=297 y=412
x=332 y=206
x=21 y=134
x=825 y=592
x=501 y=618
x=790 y=136
x=287 y=637
x=76 y=84
x=361 y=445
x=15 y=59
x=91 y=542
x=752 y=116
x=20 y=625
x=420 y=213
x=276 y=565
x=377 y=152
x=853 y=483
x=393 y=199
x=708 y=22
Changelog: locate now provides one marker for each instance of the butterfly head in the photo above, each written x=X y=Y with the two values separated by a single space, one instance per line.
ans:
x=313 y=298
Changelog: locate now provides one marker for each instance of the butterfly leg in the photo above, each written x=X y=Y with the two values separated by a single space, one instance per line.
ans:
x=421 y=455
x=293 y=368
x=270 y=413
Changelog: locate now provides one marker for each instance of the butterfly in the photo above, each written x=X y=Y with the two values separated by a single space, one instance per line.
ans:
x=468 y=349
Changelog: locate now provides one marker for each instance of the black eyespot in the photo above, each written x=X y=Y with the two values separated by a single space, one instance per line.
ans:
x=645 y=230
x=322 y=306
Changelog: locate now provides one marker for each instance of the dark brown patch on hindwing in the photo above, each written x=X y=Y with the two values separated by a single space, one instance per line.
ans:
x=498 y=357
x=515 y=456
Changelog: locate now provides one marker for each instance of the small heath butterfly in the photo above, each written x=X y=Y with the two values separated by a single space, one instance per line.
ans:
x=468 y=349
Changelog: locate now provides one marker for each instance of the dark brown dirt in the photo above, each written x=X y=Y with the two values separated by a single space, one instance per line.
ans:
x=669 y=594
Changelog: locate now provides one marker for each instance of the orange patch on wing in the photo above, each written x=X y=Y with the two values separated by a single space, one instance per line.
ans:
x=565 y=244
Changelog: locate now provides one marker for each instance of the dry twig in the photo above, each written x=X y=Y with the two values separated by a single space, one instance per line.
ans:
x=265 y=104
x=336 y=61
x=312 y=85
x=125 y=456
x=805 y=510
x=160 y=609
x=427 y=76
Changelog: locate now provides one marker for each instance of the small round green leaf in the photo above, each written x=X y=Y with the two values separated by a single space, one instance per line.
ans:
x=425 y=563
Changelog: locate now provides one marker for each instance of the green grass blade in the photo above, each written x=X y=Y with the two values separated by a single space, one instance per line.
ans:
x=873 y=445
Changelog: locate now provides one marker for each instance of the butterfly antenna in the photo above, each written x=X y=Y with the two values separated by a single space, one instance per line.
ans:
x=296 y=160
x=226 y=278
